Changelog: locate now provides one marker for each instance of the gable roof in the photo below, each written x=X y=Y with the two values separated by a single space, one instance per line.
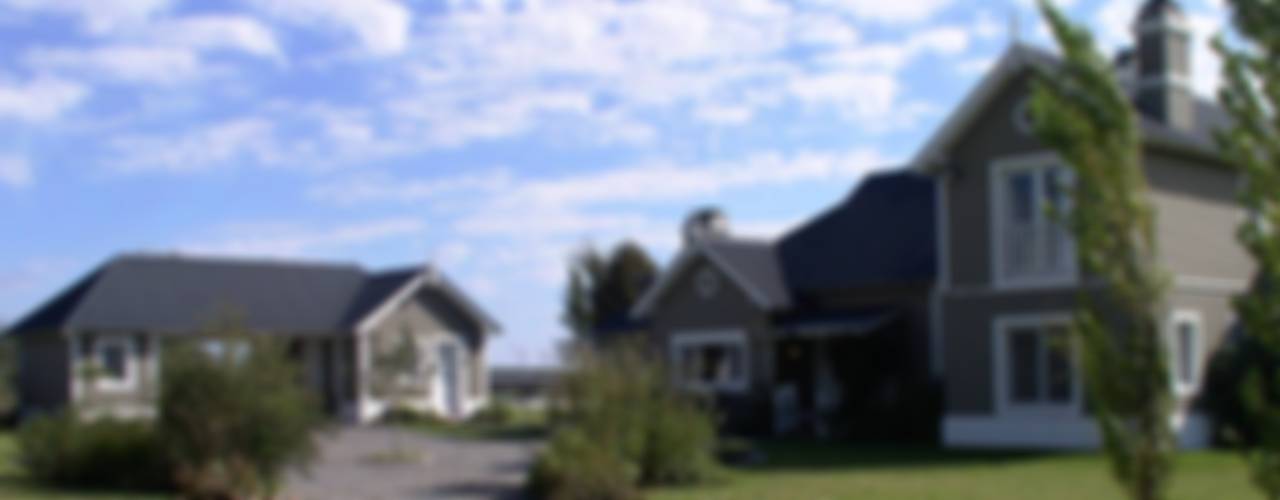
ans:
x=176 y=294
x=882 y=234
x=1019 y=58
x=751 y=264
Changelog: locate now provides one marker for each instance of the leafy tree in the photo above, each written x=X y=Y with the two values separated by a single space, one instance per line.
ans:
x=603 y=289
x=1251 y=94
x=234 y=414
x=1082 y=113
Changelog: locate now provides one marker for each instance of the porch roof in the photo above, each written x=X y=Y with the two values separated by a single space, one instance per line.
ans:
x=836 y=323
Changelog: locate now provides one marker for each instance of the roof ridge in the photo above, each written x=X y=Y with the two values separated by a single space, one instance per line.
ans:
x=216 y=258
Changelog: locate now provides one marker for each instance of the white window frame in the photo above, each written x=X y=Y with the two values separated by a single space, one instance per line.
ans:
x=680 y=341
x=998 y=194
x=1001 y=376
x=130 y=347
x=1177 y=318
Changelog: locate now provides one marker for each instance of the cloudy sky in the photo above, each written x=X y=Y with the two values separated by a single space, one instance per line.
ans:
x=489 y=136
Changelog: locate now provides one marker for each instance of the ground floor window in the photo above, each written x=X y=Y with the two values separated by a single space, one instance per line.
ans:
x=114 y=362
x=1037 y=363
x=1185 y=350
x=711 y=361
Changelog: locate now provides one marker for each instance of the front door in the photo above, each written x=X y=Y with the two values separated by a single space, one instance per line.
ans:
x=449 y=376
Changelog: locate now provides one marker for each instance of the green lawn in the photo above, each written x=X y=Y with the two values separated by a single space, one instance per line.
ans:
x=822 y=472
x=15 y=485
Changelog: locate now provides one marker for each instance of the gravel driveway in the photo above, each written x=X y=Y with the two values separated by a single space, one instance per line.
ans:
x=446 y=468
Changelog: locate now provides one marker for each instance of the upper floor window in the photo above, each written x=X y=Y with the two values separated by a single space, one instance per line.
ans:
x=1031 y=245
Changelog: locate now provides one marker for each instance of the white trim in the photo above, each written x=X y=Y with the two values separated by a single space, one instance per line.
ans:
x=129 y=345
x=1176 y=318
x=1169 y=79
x=1209 y=283
x=997 y=196
x=1065 y=433
x=1000 y=328
x=681 y=340
x=371 y=320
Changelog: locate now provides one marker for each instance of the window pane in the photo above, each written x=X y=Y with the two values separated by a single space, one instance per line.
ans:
x=114 y=362
x=1024 y=365
x=1186 y=356
x=1059 y=365
x=1019 y=223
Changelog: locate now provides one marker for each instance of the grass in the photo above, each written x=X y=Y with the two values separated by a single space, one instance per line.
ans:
x=831 y=472
x=14 y=483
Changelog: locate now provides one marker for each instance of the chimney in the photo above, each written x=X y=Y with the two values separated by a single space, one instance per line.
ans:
x=705 y=224
x=1163 y=55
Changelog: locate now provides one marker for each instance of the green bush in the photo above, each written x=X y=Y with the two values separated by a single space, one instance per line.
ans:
x=622 y=404
x=65 y=450
x=235 y=420
x=574 y=468
x=410 y=416
x=498 y=412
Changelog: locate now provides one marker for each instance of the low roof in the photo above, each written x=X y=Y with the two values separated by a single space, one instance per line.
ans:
x=181 y=294
x=882 y=234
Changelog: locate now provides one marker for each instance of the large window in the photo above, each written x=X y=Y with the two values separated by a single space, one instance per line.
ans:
x=114 y=363
x=1037 y=364
x=1184 y=350
x=1031 y=245
x=711 y=361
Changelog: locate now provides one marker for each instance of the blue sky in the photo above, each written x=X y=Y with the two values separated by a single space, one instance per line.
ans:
x=489 y=136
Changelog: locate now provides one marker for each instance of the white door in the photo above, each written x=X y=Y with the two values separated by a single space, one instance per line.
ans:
x=449 y=367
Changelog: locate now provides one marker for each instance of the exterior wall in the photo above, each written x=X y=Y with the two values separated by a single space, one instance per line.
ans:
x=684 y=311
x=1197 y=218
x=433 y=323
x=44 y=382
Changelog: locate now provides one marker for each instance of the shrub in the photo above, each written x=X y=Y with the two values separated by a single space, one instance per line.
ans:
x=618 y=406
x=65 y=450
x=234 y=419
x=1229 y=370
x=498 y=412
x=574 y=468
x=411 y=416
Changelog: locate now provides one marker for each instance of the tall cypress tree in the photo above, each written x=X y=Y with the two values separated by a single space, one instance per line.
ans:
x=1251 y=95
x=1080 y=110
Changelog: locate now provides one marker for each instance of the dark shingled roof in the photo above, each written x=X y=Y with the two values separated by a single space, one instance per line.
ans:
x=1157 y=8
x=882 y=234
x=177 y=294
x=755 y=262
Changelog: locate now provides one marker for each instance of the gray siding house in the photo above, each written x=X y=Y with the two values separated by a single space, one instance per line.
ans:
x=336 y=319
x=842 y=314
x=818 y=332
x=1007 y=275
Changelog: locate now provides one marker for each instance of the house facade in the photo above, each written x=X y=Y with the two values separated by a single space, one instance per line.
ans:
x=1008 y=280
x=790 y=336
x=988 y=321
x=338 y=321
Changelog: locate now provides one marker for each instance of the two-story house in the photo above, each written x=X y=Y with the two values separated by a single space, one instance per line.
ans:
x=1008 y=280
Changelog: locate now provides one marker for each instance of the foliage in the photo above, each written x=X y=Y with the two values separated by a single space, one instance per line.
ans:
x=234 y=419
x=1251 y=94
x=1228 y=373
x=408 y=415
x=8 y=381
x=602 y=289
x=497 y=412
x=1082 y=113
x=65 y=450
x=575 y=468
x=622 y=403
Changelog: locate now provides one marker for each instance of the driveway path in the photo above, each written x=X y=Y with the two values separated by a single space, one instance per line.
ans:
x=447 y=468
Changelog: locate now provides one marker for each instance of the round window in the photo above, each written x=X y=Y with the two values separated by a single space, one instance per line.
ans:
x=708 y=283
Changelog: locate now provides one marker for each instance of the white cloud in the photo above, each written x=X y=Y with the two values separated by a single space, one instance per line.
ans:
x=381 y=26
x=386 y=189
x=123 y=63
x=282 y=239
x=41 y=99
x=218 y=145
x=889 y=11
x=15 y=171
x=216 y=32
x=98 y=16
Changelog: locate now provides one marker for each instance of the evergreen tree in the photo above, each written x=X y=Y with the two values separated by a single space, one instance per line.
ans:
x=602 y=290
x=1081 y=111
x=1251 y=95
